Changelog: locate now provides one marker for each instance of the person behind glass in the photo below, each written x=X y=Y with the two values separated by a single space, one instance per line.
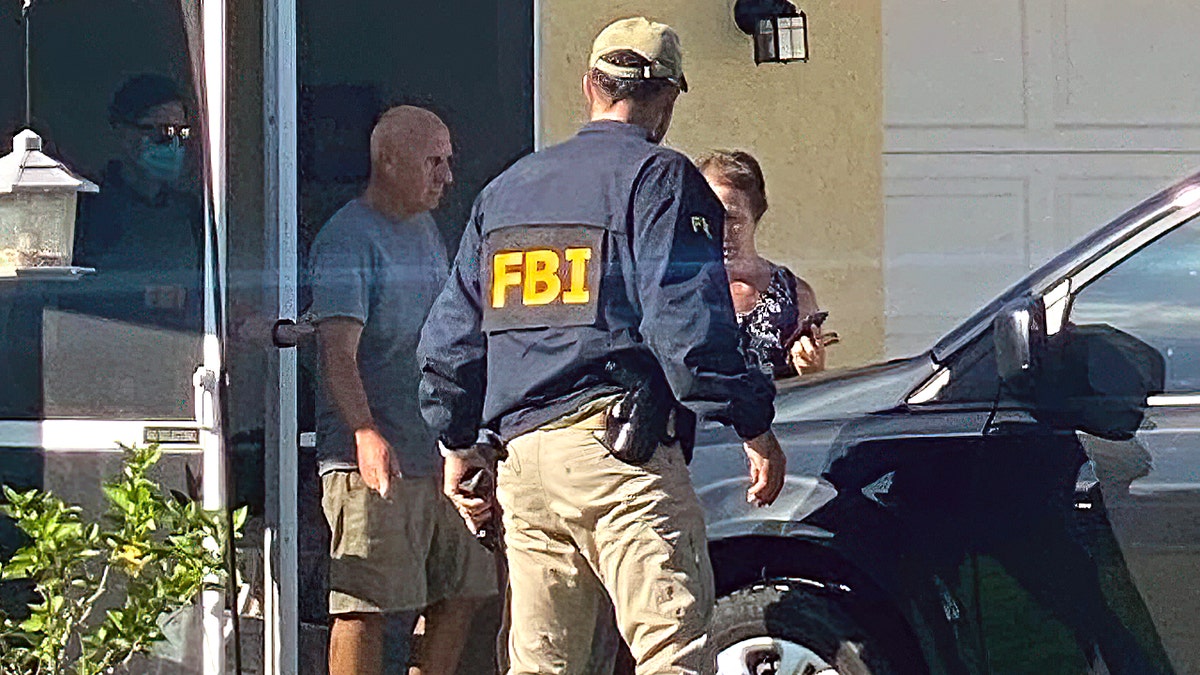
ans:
x=770 y=301
x=398 y=547
x=144 y=231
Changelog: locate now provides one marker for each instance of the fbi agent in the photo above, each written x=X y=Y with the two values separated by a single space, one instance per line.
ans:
x=587 y=318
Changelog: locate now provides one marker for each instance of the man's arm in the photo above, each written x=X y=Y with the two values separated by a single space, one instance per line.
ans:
x=342 y=271
x=337 y=340
x=688 y=319
x=453 y=350
x=453 y=358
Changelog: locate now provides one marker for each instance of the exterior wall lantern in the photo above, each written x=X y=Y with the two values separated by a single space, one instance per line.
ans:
x=779 y=30
x=37 y=210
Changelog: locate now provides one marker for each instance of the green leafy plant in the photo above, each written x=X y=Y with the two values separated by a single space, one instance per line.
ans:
x=148 y=556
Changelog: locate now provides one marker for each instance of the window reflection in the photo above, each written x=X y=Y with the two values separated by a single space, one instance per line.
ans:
x=1155 y=296
x=143 y=232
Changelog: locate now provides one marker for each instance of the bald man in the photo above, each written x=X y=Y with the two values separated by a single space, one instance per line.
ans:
x=398 y=548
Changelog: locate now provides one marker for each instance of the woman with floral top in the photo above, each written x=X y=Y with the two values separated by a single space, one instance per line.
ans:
x=771 y=302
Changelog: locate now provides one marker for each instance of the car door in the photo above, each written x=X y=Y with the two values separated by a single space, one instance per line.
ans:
x=1148 y=486
x=1087 y=543
x=1017 y=551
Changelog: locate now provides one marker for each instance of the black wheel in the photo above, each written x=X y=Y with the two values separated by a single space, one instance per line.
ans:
x=782 y=628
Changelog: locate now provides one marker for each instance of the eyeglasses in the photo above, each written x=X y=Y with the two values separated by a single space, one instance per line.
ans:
x=165 y=133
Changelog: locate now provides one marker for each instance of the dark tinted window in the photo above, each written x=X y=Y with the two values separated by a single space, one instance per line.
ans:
x=973 y=375
x=1154 y=295
x=113 y=98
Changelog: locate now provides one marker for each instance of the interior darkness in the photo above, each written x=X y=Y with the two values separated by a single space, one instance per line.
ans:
x=471 y=62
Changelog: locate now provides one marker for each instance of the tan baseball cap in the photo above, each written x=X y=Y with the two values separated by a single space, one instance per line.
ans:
x=658 y=43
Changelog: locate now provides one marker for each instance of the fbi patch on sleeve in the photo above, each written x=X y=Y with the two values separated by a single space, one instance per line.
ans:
x=541 y=276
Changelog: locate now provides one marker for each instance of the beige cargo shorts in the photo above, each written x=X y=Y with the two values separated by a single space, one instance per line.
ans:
x=403 y=553
x=588 y=534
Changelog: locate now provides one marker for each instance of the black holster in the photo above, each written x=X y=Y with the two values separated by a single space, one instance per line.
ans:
x=646 y=415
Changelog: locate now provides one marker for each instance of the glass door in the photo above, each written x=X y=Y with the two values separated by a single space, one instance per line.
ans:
x=121 y=344
x=330 y=75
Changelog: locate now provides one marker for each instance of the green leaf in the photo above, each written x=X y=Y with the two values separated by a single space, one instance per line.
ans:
x=115 y=616
x=33 y=624
x=20 y=566
x=239 y=518
x=118 y=496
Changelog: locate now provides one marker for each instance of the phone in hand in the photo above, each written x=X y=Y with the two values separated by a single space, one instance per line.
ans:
x=477 y=482
x=808 y=324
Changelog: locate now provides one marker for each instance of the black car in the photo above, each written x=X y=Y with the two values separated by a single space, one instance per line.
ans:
x=1022 y=498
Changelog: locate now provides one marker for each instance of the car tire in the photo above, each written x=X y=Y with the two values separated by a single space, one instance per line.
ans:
x=783 y=628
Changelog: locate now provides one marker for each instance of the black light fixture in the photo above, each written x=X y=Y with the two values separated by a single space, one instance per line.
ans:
x=780 y=31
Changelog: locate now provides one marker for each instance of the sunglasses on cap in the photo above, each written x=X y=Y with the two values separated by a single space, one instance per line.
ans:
x=163 y=134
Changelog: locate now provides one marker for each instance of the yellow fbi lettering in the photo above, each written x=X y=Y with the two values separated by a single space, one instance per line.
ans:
x=536 y=273
x=541 y=276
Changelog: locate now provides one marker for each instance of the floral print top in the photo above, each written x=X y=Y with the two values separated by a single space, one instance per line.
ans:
x=767 y=329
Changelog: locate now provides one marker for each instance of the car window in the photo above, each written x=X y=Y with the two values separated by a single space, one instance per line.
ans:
x=973 y=375
x=1154 y=295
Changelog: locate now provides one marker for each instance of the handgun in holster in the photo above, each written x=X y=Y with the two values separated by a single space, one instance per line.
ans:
x=645 y=416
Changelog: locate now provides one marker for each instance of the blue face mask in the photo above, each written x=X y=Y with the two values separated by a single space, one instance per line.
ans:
x=161 y=161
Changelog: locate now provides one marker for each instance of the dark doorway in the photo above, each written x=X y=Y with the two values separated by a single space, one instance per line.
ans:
x=471 y=63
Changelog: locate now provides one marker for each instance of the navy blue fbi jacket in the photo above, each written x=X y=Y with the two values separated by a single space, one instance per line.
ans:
x=604 y=247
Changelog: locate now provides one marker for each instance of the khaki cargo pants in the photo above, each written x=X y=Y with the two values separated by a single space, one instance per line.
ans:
x=588 y=534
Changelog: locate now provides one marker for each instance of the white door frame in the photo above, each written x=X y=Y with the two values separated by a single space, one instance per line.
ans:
x=281 y=627
x=207 y=378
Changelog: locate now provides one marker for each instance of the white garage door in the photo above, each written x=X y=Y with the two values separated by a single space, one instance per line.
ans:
x=1013 y=128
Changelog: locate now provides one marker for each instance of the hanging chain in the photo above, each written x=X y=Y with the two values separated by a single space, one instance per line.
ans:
x=26 y=6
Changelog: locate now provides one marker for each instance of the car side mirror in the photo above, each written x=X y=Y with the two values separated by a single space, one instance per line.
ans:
x=1019 y=333
x=1098 y=380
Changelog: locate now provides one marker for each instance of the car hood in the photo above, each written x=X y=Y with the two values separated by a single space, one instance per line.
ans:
x=810 y=413
x=849 y=393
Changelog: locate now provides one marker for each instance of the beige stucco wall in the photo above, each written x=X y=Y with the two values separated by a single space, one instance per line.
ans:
x=816 y=127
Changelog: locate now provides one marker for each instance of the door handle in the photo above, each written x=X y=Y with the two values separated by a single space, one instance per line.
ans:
x=1011 y=423
x=288 y=333
x=204 y=384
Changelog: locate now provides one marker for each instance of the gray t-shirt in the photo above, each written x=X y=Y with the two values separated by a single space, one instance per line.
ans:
x=386 y=274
